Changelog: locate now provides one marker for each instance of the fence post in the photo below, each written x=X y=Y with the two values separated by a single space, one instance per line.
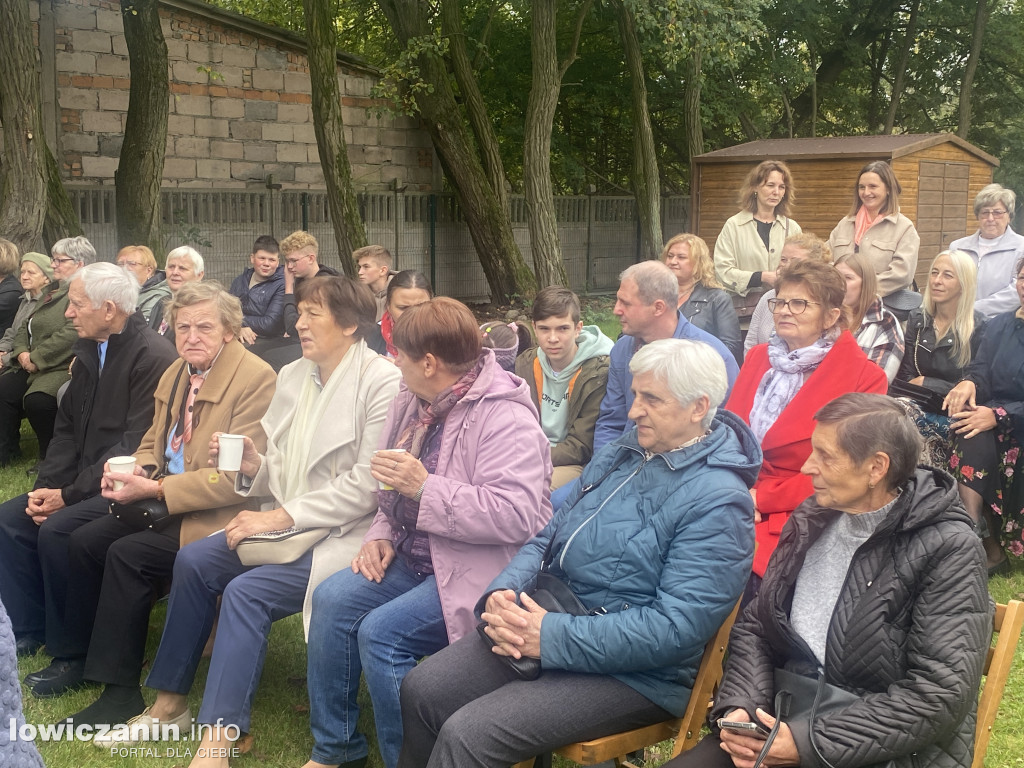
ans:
x=588 y=280
x=432 y=208
x=305 y=211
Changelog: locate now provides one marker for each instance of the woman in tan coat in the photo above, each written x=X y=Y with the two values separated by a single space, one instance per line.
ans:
x=216 y=387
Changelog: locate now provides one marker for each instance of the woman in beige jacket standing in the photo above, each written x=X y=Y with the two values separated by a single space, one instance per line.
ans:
x=748 y=248
x=877 y=229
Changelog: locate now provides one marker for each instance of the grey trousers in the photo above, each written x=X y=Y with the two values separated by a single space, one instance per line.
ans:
x=464 y=706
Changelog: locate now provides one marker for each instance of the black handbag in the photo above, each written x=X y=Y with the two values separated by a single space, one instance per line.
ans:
x=554 y=596
x=799 y=697
x=149 y=513
x=142 y=514
x=929 y=400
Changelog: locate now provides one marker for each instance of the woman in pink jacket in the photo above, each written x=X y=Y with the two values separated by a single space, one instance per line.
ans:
x=463 y=476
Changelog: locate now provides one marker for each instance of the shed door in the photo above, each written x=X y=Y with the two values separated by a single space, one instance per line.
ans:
x=942 y=205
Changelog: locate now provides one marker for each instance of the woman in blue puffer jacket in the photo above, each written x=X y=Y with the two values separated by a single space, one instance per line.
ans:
x=656 y=544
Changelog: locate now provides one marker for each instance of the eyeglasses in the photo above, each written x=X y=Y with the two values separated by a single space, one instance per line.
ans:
x=129 y=264
x=293 y=262
x=55 y=261
x=990 y=213
x=795 y=306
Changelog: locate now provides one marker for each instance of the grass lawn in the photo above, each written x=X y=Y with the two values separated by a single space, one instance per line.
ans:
x=280 y=714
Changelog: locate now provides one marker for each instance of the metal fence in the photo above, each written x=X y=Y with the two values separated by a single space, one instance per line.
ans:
x=599 y=235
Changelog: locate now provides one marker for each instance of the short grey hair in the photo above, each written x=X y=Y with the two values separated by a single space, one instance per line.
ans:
x=653 y=281
x=995 y=194
x=190 y=253
x=690 y=369
x=104 y=281
x=77 y=248
x=867 y=424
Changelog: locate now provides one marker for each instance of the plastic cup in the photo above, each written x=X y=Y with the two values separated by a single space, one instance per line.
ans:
x=125 y=464
x=229 y=455
x=385 y=486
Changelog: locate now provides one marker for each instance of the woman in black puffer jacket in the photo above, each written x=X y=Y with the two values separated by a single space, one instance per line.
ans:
x=878 y=582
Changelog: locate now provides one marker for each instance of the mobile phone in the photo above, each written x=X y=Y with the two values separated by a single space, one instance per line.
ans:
x=752 y=729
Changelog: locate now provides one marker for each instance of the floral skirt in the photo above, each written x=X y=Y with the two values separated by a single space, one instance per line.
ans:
x=987 y=464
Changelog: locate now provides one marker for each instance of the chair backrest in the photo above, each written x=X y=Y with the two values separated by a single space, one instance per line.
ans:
x=1007 y=625
x=709 y=674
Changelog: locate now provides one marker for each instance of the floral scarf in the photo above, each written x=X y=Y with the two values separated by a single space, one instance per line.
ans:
x=413 y=437
x=781 y=382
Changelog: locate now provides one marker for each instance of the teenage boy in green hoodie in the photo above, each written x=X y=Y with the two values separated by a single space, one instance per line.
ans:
x=567 y=373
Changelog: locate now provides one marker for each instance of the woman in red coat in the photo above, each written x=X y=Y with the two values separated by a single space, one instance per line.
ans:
x=811 y=360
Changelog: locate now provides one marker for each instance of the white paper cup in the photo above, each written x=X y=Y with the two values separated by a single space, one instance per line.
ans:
x=125 y=464
x=385 y=486
x=229 y=455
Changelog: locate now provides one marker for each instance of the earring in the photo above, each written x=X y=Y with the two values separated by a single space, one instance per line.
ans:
x=871 y=486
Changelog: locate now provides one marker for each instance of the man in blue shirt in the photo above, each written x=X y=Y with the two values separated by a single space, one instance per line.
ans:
x=646 y=307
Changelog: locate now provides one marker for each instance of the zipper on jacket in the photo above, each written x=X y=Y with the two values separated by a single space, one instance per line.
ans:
x=581 y=526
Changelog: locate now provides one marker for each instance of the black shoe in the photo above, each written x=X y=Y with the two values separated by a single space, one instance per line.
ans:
x=61 y=676
x=27 y=646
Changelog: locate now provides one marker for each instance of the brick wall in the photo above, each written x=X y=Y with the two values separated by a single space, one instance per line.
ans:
x=239 y=103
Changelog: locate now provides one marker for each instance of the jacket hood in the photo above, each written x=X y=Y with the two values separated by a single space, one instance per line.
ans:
x=590 y=343
x=929 y=496
x=495 y=383
x=731 y=445
x=156 y=278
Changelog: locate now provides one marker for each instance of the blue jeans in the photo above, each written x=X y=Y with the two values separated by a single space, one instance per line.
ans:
x=254 y=597
x=380 y=629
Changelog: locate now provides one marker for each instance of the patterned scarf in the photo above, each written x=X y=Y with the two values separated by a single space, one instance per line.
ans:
x=781 y=382
x=412 y=437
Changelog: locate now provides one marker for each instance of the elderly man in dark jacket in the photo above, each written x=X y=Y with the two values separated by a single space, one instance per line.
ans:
x=105 y=412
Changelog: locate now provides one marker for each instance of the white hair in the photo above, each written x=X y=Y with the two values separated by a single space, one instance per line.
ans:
x=690 y=370
x=77 y=248
x=190 y=253
x=104 y=281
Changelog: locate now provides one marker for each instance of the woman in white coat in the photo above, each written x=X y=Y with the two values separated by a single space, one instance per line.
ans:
x=322 y=428
x=748 y=248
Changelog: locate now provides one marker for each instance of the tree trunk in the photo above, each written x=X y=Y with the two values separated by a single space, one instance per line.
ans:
x=141 y=168
x=691 y=104
x=22 y=190
x=901 y=68
x=330 y=131
x=545 y=86
x=506 y=271
x=646 y=185
x=476 y=111
x=967 y=84
x=61 y=220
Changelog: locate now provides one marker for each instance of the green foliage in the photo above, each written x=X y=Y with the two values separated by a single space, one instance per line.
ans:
x=402 y=81
x=181 y=232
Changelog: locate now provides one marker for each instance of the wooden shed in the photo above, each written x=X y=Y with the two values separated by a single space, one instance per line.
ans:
x=940 y=175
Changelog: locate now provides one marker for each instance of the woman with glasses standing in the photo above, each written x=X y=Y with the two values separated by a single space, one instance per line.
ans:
x=41 y=356
x=995 y=249
x=811 y=360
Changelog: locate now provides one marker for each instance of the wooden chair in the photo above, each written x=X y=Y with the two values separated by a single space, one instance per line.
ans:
x=1007 y=625
x=685 y=731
